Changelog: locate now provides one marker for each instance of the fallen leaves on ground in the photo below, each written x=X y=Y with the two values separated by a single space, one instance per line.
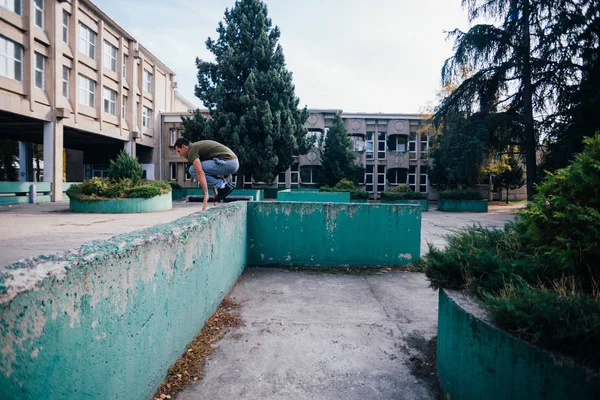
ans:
x=187 y=368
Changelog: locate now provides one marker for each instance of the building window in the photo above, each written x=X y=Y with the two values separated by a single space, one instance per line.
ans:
x=412 y=146
x=87 y=41
x=65 y=27
x=423 y=183
x=369 y=178
x=173 y=170
x=65 y=81
x=110 y=57
x=110 y=101
x=397 y=143
x=381 y=178
x=370 y=154
x=424 y=146
x=294 y=176
x=396 y=176
x=12 y=5
x=281 y=180
x=147 y=81
x=172 y=136
x=146 y=115
x=39 y=13
x=124 y=107
x=87 y=91
x=124 y=66
x=412 y=178
x=40 y=66
x=381 y=145
x=309 y=174
x=11 y=59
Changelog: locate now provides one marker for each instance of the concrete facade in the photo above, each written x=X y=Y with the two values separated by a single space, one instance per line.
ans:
x=389 y=147
x=76 y=80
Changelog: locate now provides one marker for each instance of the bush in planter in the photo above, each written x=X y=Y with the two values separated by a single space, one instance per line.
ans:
x=402 y=192
x=105 y=189
x=125 y=167
x=346 y=185
x=461 y=194
x=144 y=191
x=539 y=277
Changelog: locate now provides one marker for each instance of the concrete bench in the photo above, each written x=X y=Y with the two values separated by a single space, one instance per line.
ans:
x=20 y=192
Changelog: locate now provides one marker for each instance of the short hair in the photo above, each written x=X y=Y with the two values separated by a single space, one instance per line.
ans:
x=182 y=142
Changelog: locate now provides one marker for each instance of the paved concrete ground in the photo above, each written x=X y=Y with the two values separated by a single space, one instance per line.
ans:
x=29 y=230
x=324 y=336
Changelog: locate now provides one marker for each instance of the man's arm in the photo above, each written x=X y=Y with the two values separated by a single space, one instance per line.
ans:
x=202 y=180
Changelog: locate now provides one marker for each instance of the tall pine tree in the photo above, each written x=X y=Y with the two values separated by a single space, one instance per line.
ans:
x=250 y=94
x=337 y=157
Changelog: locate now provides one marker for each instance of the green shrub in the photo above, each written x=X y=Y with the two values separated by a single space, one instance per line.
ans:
x=345 y=185
x=359 y=195
x=125 y=166
x=144 y=191
x=103 y=189
x=391 y=195
x=460 y=194
x=326 y=189
x=540 y=276
x=402 y=188
x=174 y=185
x=162 y=186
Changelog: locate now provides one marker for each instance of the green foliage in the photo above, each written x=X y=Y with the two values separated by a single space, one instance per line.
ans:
x=460 y=194
x=144 y=191
x=104 y=189
x=125 y=167
x=402 y=188
x=391 y=195
x=345 y=185
x=337 y=157
x=359 y=195
x=174 y=185
x=507 y=174
x=540 y=276
x=250 y=94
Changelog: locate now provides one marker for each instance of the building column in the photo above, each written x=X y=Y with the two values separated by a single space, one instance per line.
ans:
x=130 y=147
x=25 y=162
x=53 y=157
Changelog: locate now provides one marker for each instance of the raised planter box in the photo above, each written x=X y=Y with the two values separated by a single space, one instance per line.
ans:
x=463 y=205
x=423 y=203
x=363 y=201
x=314 y=196
x=477 y=360
x=257 y=194
x=121 y=206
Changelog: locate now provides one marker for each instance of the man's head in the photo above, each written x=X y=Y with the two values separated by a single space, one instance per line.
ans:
x=182 y=146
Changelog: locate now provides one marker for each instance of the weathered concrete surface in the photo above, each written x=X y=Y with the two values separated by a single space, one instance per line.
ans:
x=323 y=336
x=107 y=320
x=333 y=234
x=29 y=230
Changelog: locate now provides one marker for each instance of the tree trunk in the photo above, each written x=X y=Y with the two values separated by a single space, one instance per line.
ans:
x=529 y=139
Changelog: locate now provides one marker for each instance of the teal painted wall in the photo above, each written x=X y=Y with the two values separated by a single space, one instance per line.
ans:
x=423 y=203
x=316 y=196
x=18 y=192
x=333 y=234
x=476 y=360
x=107 y=321
x=463 y=205
x=135 y=205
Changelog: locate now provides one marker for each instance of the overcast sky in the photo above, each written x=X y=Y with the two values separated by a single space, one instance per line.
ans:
x=355 y=55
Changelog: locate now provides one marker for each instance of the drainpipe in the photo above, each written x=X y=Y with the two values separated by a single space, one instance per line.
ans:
x=160 y=148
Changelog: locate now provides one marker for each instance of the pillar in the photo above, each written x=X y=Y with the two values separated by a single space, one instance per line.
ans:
x=53 y=157
x=25 y=162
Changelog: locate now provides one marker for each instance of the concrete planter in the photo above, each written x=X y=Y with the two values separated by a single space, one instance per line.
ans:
x=477 y=360
x=313 y=196
x=135 y=205
x=463 y=205
x=363 y=201
x=423 y=203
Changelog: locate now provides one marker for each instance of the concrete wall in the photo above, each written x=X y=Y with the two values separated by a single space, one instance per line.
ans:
x=476 y=360
x=313 y=196
x=107 y=321
x=332 y=234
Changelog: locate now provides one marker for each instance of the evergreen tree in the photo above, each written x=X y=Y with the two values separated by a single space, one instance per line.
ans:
x=508 y=174
x=337 y=157
x=250 y=94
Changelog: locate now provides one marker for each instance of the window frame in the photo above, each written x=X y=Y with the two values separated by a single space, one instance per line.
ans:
x=123 y=106
x=65 y=26
x=66 y=81
x=124 y=66
x=38 y=11
x=37 y=71
x=87 y=38
x=412 y=146
x=147 y=80
x=109 y=104
x=370 y=146
x=146 y=117
x=9 y=57
x=109 y=56
x=172 y=136
x=371 y=174
x=15 y=6
x=172 y=171
x=381 y=145
x=89 y=91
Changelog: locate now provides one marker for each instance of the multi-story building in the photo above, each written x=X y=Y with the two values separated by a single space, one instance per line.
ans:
x=389 y=147
x=74 y=80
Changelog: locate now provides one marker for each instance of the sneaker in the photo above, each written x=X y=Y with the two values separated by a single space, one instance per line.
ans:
x=222 y=193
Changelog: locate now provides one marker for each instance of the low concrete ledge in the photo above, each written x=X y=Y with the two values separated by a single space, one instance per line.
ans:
x=313 y=196
x=423 y=203
x=333 y=234
x=463 y=205
x=476 y=360
x=120 y=206
x=257 y=195
x=106 y=321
